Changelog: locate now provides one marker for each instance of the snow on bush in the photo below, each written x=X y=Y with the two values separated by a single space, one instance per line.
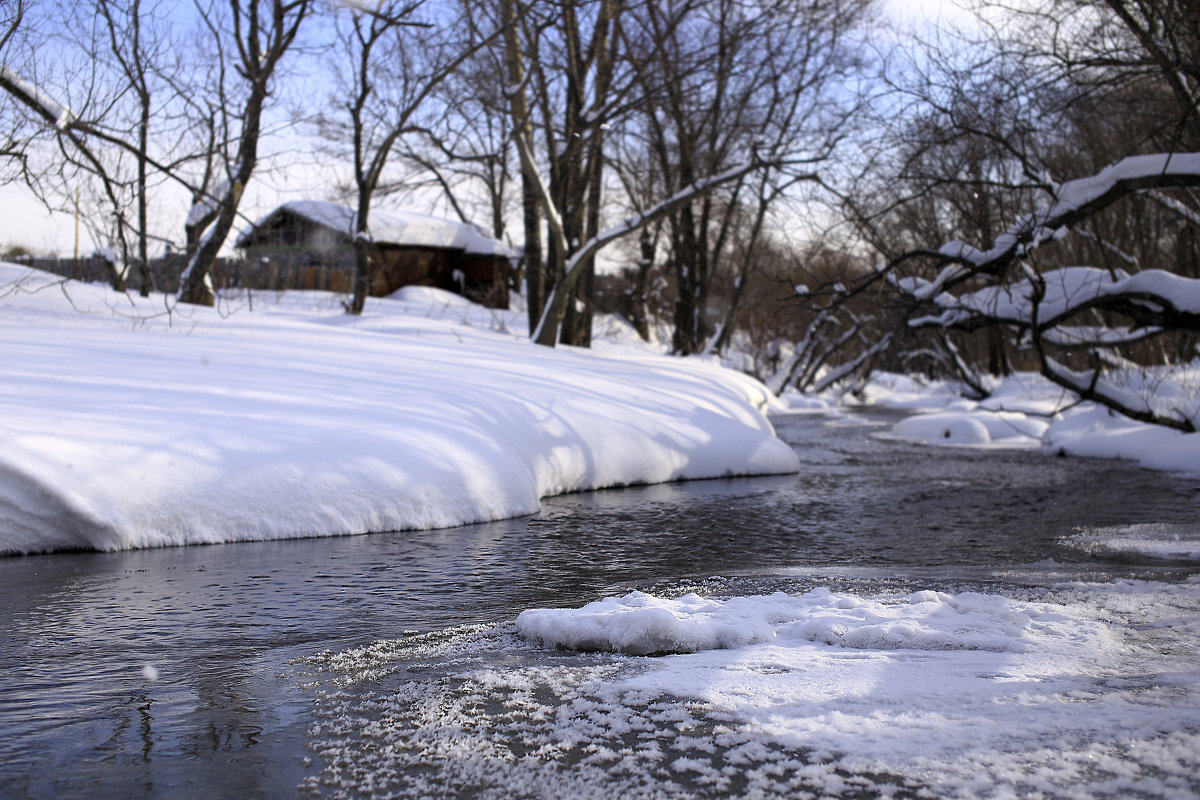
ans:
x=1026 y=411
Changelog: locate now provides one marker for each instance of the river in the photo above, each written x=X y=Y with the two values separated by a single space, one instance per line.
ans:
x=250 y=670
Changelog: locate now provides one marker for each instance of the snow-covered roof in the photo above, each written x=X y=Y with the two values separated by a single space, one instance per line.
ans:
x=389 y=226
x=331 y=215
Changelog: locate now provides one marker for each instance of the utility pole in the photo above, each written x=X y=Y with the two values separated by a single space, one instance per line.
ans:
x=77 y=223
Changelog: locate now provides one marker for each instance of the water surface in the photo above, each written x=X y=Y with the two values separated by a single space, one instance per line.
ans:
x=187 y=671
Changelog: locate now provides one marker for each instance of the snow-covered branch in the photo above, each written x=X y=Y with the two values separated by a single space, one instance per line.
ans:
x=843 y=371
x=1090 y=385
x=806 y=368
x=53 y=112
x=1077 y=200
x=1152 y=298
x=1084 y=311
x=1171 y=204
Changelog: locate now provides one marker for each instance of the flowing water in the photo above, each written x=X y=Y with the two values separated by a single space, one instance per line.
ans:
x=208 y=671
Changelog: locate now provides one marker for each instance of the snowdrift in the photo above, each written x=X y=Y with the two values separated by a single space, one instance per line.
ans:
x=1027 y=411
x=130 y=423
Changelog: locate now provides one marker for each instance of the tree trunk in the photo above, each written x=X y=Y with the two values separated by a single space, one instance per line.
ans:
x=535 y=268
x=257 y=66
x=362 y=275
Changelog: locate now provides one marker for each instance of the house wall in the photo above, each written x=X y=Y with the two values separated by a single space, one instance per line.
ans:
x=289 y=241
x=483 y=279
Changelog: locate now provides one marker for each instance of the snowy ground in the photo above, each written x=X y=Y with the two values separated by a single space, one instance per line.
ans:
x=126 y=423
x=1027 y=411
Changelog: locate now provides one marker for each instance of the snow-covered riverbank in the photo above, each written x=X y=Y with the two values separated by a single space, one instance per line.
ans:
x=131 y=423
x=1027 y=411
x=124 y=424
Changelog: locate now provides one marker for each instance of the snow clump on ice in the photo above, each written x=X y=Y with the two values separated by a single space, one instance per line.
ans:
x=641 y=624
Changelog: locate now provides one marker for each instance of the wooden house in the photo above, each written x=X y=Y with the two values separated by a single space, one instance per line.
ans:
x=407 y=249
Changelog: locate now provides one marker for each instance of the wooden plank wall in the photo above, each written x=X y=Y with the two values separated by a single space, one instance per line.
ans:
x=287 y=271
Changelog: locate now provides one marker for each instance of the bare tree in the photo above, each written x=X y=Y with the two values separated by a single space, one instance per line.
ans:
x=564 y=87
x=520 y=28
x=49 y=145
x=259 y=33
x=137 y=48
x=577 y=78
x=10 y=19
x=469 y=155
x=982 y=125
x=398 y=61
x=104 y=122
x=12 y=148
x=723 y=80
x=1150 y=44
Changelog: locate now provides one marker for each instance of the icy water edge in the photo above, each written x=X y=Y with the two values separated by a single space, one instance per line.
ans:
x=387 y=665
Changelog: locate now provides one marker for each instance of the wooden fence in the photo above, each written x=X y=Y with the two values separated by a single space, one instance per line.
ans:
x=299 y=271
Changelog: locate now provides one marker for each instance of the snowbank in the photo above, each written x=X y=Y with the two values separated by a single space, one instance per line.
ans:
x=1027 y=411
x=972 y=428
x=128 y=423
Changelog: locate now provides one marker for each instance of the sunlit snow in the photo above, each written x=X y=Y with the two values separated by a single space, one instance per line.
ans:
x=1025 y=411
x=136 y=423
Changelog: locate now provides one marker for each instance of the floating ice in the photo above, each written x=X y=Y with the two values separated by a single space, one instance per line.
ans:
x=1168 y=542
x=1086 y=690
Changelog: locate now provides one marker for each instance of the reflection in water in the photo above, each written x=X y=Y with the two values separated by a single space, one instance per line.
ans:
x=223 y=624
